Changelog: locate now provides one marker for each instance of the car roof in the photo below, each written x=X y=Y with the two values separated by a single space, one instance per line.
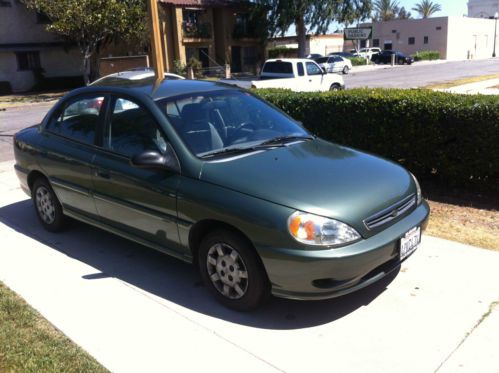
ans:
x=165 y=89
x=288 y=60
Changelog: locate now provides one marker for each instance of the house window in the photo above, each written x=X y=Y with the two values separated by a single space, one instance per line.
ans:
x=363 y=43
x=28 y=60
x=376 y=43
x=412 y=40
x=426 y=39
x=394 y=31
x=5 y=4
x=439 y=28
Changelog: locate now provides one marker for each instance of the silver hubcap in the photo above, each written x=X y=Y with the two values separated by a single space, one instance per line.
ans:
x=45 y=205
x=227 y=271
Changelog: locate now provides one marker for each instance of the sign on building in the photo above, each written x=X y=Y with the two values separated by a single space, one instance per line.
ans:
x=363 y=33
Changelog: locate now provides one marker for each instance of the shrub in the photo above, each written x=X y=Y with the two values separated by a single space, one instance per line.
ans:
x=449 y=139
x=426 y=56
x=359 y=61
x=283 y=52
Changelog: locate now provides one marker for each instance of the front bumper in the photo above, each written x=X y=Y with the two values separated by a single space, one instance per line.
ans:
x=321 y=274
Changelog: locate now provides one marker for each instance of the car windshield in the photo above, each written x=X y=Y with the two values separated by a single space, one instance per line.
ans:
x=229 y=121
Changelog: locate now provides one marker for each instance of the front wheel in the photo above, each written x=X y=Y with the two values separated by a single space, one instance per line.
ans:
x=232 y=271
x=47 y=206
x=335 y=87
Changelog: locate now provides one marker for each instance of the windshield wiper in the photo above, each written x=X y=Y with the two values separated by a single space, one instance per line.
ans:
x=284 y=139
x=228 y=151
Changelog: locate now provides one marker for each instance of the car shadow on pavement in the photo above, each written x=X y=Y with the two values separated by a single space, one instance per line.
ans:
x=174 y=280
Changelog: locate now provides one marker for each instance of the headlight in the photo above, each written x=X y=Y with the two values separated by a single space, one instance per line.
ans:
x=419 y=197
x=320 y=231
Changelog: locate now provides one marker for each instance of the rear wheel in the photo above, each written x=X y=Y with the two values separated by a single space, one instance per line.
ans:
x=47 y=206
x=232 y=271
x=335 y=87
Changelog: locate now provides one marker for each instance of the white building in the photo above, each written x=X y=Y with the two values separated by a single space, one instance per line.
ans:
x=315 y=44
x=456 y=38
x=25 y=47
x=483 y=8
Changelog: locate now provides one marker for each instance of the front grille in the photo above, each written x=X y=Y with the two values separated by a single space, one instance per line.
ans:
x=387 y=215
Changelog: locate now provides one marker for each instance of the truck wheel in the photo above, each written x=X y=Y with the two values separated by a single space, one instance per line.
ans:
x=47 y=206
x=232 y=270
x=335 y=87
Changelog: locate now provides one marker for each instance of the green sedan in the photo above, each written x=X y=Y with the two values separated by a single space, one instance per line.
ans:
x=215 y=176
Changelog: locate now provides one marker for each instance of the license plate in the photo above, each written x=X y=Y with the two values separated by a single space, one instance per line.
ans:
x=410 y=242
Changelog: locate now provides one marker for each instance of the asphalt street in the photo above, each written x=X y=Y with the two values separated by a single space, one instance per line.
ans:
x=15 y=119
x=421 y=75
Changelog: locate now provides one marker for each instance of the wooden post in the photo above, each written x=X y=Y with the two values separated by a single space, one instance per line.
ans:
x=157 y=50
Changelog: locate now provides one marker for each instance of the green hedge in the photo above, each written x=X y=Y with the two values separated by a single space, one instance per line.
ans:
x=426 y=56
x=359 y=61
x=450 y=139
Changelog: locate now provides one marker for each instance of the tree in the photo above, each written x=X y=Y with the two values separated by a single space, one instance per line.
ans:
x=426 y=8
x=311 y=16
x=403 y=14
x=92 y=24
x=385 y=10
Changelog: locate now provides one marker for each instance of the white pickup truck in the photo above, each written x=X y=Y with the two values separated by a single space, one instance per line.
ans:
x=296 y=74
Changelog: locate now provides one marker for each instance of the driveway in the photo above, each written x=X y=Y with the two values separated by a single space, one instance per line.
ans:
x=136 y=310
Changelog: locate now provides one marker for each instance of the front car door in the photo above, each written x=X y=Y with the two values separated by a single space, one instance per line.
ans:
x=141 y=203
x=315 y=77
x=68 y=149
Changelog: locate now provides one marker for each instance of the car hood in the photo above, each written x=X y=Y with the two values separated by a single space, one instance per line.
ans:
x=317 y=177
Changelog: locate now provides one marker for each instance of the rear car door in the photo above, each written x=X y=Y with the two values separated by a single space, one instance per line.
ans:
x=68 y=150
x=138 y=202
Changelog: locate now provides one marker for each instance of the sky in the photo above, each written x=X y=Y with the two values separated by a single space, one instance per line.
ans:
x=449 y=7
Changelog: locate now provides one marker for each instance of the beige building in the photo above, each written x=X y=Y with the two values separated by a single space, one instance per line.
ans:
x=216 y=32
x=25 y=48
x=483 y=8
x=316 y=44
x=456 y=38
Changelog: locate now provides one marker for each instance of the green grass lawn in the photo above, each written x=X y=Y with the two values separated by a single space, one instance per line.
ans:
x=29 y=343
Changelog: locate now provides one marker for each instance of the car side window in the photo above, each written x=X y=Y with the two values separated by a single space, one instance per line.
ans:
x=313 y=69
x=301 y=70
x=131 y=130
x=78 y=120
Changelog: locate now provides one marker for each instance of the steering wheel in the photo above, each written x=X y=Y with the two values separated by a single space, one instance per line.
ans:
x=244 y=125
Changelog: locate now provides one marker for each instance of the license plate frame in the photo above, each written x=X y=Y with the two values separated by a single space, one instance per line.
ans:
x=409 y=242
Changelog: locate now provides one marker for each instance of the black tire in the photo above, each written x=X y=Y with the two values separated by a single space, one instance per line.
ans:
x=47 y=207
x=335 y=87
x=237 y=266
x=346 y=70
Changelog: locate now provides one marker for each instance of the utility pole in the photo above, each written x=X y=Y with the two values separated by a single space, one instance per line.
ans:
x=157 y=50
x=496 y=16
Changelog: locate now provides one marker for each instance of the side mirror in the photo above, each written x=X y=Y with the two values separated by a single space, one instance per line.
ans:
x=154 y=159
x=324 y=71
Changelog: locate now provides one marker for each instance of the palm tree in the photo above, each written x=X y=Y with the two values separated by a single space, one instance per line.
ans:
x=426 y=8
x=385 y=10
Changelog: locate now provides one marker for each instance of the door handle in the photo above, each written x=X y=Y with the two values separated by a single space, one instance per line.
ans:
x=103 y=174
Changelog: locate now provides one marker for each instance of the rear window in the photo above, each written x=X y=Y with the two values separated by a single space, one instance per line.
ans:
x=322 y=60
x=278 y=67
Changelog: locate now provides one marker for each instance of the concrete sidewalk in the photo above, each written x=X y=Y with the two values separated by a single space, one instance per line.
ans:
x=136 y=310
x=485 y=87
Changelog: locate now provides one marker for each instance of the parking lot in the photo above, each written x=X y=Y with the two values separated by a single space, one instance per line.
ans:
x=136 y=310
x=420 y=74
